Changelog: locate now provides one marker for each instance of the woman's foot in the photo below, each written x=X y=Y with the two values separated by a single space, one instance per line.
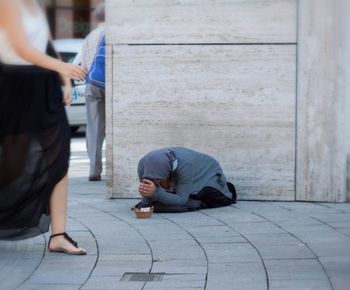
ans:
x=62 y=242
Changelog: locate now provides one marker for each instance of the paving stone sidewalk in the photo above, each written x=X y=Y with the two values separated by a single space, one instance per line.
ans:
x=250 y=246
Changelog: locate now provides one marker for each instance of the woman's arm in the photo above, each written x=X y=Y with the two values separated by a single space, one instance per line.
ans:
x=9 y=21
x=66 y=82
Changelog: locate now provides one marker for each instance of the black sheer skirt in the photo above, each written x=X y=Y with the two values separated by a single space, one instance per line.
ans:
x=34 y=148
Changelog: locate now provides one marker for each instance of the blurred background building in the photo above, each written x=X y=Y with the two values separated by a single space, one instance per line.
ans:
x=71 y=18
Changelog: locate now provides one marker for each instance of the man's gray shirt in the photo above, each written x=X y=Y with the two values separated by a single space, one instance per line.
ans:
x=195 y=170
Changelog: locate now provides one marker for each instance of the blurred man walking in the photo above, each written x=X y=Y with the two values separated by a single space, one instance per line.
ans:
x=95 y=98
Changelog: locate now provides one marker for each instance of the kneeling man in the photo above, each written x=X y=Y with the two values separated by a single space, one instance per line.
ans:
x=179 y=179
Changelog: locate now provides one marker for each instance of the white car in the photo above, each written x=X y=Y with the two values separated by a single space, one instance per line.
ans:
x=70 y=51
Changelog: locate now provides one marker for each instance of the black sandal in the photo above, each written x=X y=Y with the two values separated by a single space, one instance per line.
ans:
x=61 y=250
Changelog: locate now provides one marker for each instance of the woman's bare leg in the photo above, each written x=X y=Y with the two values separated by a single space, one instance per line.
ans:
x=58 y=206
x=58 y=211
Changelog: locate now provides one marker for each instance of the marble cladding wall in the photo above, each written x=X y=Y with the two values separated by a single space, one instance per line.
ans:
x=202 y=21
x=348 y=137
x=323 y=102
x=216 y=76
x=348 y=102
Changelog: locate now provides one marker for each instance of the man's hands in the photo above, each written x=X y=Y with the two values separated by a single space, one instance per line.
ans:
x=147 y=188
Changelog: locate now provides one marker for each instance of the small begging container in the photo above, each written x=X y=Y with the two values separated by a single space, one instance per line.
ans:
x=143 y=212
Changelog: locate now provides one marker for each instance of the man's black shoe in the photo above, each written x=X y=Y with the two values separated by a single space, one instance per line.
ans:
x=95 y=178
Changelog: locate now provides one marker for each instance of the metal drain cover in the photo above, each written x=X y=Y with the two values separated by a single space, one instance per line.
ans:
x=142 y=277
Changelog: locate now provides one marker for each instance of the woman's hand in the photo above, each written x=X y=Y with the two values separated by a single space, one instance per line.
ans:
x=67 y=91
x=147 y=188
x=72 y=71
x=67 y=94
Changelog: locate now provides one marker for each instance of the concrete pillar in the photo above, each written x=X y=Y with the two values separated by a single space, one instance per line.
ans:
x=180 y=72
x=323 y=101
x=347 y=126
x=215 y=75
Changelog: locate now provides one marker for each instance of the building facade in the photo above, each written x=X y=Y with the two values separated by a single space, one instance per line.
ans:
x=71 y=18
x=260 y=85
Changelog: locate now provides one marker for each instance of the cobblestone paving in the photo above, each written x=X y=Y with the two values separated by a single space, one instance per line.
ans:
x=250 y=246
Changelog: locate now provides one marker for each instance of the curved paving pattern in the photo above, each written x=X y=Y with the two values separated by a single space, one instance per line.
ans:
x=252 y=245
